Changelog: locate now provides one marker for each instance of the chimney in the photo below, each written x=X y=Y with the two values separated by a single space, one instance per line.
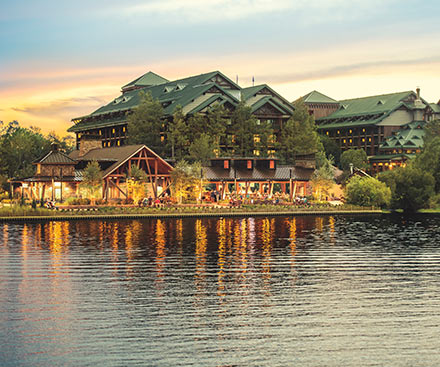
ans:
x=418 y=92
x=88 y=143
x=54 y=147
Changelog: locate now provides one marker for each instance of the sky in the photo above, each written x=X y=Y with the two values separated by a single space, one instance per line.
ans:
x=64 y=59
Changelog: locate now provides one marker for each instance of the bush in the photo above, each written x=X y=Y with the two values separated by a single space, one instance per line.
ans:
x=367 y=191
x=411 y=188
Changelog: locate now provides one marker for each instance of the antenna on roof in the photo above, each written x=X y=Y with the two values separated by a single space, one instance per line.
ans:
x=236 y=79
x=253 y=80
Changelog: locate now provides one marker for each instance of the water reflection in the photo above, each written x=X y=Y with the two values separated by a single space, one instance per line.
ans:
x=225 y=291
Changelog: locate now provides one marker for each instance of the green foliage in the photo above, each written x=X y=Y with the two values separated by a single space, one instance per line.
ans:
x=243 y=127
x=432 y=130
x=186 y=179
x=177 y=136
x=19 y=147
x=137 y=174
x=429 y=159
x=323 y=177
x=367 y=191
x=202 y=149
x=356 y=156
x=331 y=148
x=145 y=124
x=92 y=179
x=411 y=188
x=299 y=135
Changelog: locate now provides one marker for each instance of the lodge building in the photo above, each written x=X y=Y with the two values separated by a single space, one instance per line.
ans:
x=195 y=94
x=375 y=124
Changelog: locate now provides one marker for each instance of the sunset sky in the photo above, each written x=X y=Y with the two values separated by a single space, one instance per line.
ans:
x=64 y=59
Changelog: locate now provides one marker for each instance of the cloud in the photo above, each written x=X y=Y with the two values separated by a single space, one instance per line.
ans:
x=64 y=109
x=348 y=69
x=205 y=11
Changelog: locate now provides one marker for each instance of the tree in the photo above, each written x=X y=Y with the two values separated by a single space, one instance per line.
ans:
x=178 y=135
x=145 y=123
x=187 y=180
x=357 y=157
x=202 y=149
x=136 y=180
x=244 y=128
x=411 y=188
x=19 y=148
x=323 y=177
x=299 y=135
x=331 y=148
x=92 y=180
x=429 y=159
x=367 y=191
x=432 y=130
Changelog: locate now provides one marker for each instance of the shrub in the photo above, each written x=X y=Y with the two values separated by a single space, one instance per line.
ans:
x=411 y=188
x=367 y=191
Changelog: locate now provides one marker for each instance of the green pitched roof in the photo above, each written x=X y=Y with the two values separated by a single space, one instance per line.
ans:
x=253 y=96
x=146 y=80
x=367 y=110
x=317 y=97
x=187 y=92
x=409 y=136
x=435 y=107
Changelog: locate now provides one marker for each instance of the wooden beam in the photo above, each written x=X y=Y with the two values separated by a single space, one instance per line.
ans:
x=114 y=185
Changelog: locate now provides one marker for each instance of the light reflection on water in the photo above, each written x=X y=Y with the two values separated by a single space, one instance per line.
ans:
x=214 y=292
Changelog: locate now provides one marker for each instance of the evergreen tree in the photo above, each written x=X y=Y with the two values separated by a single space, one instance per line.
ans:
x=92 y=180
x=244 y=128
x=299 y=135
x=145 y=124
x=178 y=140
x=202 y=149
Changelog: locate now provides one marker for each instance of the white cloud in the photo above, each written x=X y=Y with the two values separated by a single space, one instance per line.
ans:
x=312 y=11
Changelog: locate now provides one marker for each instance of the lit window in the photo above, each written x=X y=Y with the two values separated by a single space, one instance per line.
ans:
x=363 y=140
x=257 y=138
x=249 y=164
x=351 y=141
x=119 y=143
x=344 y=141
x=326 y=133
x=226 y=164
x=256 y=152
x=271 y=164
x=123 y=129
x=339 y=132
x=113 y=131
x=351 y=131
x=162 y=138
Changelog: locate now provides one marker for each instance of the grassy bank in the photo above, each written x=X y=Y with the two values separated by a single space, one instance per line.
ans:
x=24 y=212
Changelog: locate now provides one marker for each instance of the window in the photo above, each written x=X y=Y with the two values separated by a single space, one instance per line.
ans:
x=257 y=138
x=272 y=164
x=256 y=153
x=249 y=164
x=38 y=169
x=119 y=143
x=226 y=164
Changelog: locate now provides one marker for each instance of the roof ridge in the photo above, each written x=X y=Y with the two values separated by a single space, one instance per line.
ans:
x=376 y=95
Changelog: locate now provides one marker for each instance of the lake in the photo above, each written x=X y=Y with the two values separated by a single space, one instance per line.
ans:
x=264 y=291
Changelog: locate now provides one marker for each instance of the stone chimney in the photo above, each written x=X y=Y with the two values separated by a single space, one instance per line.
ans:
x=88 y=143
x=419 y=107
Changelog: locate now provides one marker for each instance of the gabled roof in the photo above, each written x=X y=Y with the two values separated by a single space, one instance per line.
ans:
x=253 y=96
x=171 y=94
x=435 y=107
x=55 y=157
x=317 y=97
x=367 y=110
x=146 y=80
x=117 y=155
x=409 y=136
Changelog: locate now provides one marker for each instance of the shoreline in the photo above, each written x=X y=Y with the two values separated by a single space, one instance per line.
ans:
x=45 y=218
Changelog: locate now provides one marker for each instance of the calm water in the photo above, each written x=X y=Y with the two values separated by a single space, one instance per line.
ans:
x=308 y=291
